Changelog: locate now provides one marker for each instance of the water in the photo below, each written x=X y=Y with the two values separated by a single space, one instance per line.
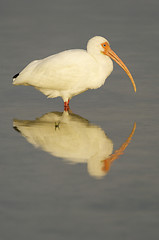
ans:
x=45 y=195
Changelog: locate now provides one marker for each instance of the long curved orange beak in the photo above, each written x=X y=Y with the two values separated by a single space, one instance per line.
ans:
x=109 y=52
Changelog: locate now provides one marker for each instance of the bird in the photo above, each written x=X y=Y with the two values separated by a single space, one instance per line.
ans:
x=74 y=139
x=72 y=72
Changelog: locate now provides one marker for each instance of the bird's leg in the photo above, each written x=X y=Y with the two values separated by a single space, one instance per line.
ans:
x=66 y=106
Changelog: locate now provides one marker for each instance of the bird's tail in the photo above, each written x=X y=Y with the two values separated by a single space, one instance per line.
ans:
x=14 y=78
x=18 y=80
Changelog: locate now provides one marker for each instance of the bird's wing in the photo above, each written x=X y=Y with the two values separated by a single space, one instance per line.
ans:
x=60 y=71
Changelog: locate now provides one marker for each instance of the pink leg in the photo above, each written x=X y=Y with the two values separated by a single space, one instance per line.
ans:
x=66 y=106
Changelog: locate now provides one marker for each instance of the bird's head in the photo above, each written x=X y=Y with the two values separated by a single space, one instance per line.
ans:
x=100 y=45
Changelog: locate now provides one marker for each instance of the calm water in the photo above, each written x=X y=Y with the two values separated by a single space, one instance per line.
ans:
x=58 y=191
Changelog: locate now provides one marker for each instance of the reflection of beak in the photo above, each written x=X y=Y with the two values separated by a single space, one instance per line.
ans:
x=107 y=162
x=109 y=52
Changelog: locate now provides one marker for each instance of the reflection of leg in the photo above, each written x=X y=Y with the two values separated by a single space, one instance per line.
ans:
x=57 y=125
x=66 y=106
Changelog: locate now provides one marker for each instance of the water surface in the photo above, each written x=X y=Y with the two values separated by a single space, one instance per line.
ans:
x=45 y=195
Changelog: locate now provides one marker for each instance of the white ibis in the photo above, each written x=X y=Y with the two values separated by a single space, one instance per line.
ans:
x=72 y=72
x=73 y=138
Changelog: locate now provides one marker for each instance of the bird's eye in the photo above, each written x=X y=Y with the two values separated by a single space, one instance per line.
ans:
x=104 y=45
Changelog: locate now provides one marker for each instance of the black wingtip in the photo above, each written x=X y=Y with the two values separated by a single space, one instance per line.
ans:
x=16 y=129
x=16 y=75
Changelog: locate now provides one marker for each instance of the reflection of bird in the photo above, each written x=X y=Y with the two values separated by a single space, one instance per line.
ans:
x=70 y=137
x=71 y=72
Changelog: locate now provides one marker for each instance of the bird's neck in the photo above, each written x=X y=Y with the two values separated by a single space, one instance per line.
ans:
x=105 y=63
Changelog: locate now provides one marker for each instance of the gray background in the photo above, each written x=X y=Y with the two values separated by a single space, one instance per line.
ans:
x=43 y=197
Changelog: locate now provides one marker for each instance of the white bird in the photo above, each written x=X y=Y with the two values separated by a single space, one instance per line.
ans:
x=72 y=72
x=73 y=138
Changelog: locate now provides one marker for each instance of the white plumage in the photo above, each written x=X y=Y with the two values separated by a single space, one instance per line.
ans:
x=71 y=72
